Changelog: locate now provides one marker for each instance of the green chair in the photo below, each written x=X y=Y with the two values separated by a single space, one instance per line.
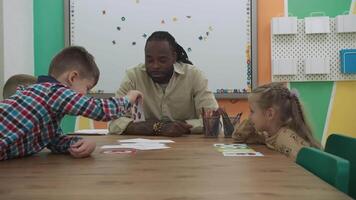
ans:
x=344 y=147
x=330 y=168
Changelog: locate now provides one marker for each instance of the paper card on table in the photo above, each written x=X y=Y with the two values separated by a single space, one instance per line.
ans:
x=142 y=140
x=235 y=148
x=115 y=146
x=252 y=154
x=137 y=112
x=221 y=145
x=139 y=146
x=91 y=132
x=119 y=151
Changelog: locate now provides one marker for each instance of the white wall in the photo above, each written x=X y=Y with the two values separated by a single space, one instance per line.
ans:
x=17 y=47
x=223 y=24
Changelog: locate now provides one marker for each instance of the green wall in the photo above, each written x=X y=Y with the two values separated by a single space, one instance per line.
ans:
x=49 y=40
x=316 y=95
x=331 y=8
x=48 y=32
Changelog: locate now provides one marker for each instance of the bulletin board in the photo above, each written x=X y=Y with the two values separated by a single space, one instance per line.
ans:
x=218 y=36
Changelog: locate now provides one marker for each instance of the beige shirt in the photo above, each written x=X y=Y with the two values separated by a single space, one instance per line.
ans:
x=182 y=100
x=285 y=141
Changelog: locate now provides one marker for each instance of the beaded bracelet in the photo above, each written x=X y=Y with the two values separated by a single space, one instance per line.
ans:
x=157 y=128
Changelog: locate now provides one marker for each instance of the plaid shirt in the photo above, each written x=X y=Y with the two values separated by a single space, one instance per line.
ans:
x=30 y=119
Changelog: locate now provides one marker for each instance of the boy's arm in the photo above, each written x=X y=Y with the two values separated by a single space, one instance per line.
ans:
x=65 y=101
x=61 y=143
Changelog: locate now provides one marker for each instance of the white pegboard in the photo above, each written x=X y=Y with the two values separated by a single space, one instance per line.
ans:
x=302 y=45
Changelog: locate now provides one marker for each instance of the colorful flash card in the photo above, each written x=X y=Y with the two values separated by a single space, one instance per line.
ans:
x=138 y=114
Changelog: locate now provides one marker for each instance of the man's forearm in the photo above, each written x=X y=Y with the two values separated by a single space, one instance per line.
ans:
x=140 y=128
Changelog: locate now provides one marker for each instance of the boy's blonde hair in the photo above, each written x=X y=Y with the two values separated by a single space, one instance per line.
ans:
x=15 y=81
x=289 y=106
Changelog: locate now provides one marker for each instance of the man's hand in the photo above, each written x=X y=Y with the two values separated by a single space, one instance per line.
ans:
x=81 y=149
x=175 y=129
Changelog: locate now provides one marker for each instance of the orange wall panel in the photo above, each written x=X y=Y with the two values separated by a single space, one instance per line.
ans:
x=266 y=9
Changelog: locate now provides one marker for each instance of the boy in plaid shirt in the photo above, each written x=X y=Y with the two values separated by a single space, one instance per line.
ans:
x=30 y=119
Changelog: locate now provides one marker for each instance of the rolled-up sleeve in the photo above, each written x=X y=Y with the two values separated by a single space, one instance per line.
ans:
x=203 y=98
x=118 y=126
x=197 y=125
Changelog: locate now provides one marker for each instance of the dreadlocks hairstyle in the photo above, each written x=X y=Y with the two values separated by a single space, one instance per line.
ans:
x=289 y=108
x=165 y=36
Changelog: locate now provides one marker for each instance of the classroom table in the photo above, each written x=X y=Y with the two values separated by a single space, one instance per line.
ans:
x=190 y=169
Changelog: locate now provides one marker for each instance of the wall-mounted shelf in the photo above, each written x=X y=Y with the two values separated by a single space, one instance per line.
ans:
x=345 y=23
x=284 y=25
x=317 y=66
x=314 y=25
x=284 y=66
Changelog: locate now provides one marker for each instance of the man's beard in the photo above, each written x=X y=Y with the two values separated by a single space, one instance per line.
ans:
x=160 y=76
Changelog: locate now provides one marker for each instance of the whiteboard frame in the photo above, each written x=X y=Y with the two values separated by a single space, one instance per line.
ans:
x=254 y=61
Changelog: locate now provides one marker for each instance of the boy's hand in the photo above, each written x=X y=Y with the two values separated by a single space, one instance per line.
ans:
x=81 y=149
x=134 y=95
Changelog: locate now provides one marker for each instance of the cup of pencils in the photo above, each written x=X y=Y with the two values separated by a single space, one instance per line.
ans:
x=230 y=123
x=211 y=123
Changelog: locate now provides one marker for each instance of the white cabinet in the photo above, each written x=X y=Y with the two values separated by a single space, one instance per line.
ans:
x=345 y=23
x=284 y=25
x=284 y=66
x=317 y=25
x=317 y=65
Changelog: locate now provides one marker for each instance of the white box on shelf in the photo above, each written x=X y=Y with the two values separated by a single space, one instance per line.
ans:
x=317 y=66
x=345 y=23
x=284 y=25
x=317 y=25
x=284 y=66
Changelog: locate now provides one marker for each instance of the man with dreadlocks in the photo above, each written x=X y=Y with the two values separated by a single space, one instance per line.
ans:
x=175 y=91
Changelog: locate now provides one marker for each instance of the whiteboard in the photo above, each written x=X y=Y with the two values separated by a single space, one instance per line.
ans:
x=216 y=35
